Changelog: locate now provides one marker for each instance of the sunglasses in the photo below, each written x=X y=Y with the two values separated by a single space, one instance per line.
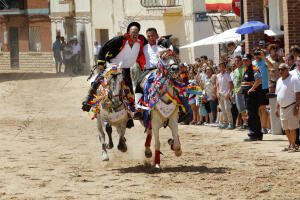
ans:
x=274 y=48
x=282 y=69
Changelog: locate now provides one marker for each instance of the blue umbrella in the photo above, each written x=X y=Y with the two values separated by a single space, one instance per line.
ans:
x=251 y=27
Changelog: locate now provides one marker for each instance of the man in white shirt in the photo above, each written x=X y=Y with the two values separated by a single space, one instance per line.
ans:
x=235 y=51
x=151 y=49
x=76 y=55
x=152 y=59
x=296 y=85
x=286 y=106
x=124 y=51
x=224 y=88
x=97 y=48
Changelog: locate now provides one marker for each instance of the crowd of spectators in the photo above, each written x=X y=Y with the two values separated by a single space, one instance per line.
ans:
x=236 y=93
x=67 y=53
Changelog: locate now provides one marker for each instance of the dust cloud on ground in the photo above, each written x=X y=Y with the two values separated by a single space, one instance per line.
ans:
x=49 y=149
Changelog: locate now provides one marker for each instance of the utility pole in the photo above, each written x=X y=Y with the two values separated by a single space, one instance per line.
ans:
x=242 y=16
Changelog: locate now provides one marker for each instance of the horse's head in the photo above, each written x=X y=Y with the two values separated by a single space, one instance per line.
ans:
x=169 y=58
x=114 y=78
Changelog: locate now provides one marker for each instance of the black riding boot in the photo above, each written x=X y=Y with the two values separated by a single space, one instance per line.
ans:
x=92 y=91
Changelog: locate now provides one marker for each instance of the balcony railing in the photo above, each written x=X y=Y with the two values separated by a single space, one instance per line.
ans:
x=11 y=4
x=161 y=3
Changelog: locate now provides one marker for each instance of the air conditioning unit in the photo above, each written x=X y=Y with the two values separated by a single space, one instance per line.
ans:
x=65 y=1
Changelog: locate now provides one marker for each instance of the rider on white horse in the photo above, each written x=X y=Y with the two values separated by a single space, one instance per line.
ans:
x=151 y=52
x=126 y=49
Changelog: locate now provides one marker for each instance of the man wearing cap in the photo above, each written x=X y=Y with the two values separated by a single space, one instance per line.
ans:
x=123 y=50
x=251 y=85
x=260 y=61
x=261 y=44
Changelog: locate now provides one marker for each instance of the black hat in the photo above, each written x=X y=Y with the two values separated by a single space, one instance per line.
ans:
x=167 y=36
x=133 y=24
x=247 y=56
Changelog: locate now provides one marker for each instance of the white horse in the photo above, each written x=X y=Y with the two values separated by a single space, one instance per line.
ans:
x=164 y=114
x=114 y=111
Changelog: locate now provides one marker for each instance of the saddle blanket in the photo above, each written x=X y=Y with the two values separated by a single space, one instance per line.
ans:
x=114 y=117
x=166 y=111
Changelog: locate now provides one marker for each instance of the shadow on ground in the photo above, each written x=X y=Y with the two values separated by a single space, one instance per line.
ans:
x=18 y=76
x=149 y=169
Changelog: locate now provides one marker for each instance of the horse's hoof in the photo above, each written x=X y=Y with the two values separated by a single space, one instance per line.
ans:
x=178 y=152
x=122 y=147
x=109 y=146
x=171 y=143
x=105 y=157
x=148 y=153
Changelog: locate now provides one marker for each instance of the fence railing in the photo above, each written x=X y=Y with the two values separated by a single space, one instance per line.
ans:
x=161 y=3
x=11 y=4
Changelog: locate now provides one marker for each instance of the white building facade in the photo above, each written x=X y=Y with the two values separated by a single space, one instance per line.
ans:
x=185 y=19
x=73 y=18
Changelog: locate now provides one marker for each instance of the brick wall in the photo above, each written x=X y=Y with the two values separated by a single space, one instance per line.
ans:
x=4 y=60
x=291 y=20
x=253 y=11
x=29 y=61
x=36 y=61
x=45 y=32
x=22 y=24
x=36 y=4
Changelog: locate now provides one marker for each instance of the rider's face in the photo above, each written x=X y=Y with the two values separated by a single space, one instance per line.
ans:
x=133 y=33
x=152 y=37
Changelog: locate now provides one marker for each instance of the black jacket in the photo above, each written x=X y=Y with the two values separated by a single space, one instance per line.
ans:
x=113 y=47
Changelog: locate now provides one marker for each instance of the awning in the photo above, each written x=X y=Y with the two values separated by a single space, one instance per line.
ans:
x=274 y=32
x=218 y=4
x=226 y=36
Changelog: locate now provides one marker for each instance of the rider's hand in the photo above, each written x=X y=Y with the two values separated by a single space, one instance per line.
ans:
x=101 y=67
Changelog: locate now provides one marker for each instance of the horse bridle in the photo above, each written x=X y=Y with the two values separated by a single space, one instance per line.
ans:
x=110 y=96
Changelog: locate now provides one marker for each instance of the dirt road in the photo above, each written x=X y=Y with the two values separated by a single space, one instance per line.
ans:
x=49 y=150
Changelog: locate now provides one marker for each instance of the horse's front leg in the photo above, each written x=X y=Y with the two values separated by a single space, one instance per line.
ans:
x=108 y=130
x=155 y=131
x=175 y=143
x=121 y=128
x=156 y=123
x=102 y=138
x=148 y=152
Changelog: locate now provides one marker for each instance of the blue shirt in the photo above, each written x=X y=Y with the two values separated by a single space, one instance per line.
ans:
x=56 y=47
x=261 y=65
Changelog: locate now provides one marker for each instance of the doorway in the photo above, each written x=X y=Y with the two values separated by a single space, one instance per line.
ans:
x=14 y=47
x=101 y=36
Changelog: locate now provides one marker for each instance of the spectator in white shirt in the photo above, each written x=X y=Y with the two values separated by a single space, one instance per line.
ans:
x=224 y=88
x=76 y=55
x=286 y=106
x=234 y=51
x=97 y=48
x=68 y=57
